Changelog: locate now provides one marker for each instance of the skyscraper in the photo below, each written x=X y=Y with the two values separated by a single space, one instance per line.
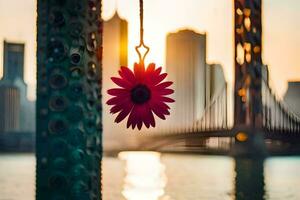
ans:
x=13 y=73
x=186 y=65
x=115 y=46
x=196 y=83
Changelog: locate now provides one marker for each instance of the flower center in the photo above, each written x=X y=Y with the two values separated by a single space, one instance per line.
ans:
x=140 y=94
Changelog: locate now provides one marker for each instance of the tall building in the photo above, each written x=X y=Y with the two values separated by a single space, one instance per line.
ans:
x=13 y=73
x=215 y=81
x=186 y=66
x=196 y=83
x=115 y=35
x=9 y=109
x=292 y=96
x=115 y=47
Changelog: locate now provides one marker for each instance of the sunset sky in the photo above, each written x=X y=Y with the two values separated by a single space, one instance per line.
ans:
x=281 y=32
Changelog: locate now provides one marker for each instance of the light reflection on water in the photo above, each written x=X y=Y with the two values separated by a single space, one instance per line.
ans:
x=142 y=176
x=145 y=175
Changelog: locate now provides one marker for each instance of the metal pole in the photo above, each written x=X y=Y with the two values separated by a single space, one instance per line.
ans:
x=69 y=124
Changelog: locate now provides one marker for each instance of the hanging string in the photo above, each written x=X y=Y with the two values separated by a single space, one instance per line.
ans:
x=142 y=44
x=141 y=21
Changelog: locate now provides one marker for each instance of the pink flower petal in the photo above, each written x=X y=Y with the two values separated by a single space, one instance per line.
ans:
x=157 y=71
x=163 y=85
x=145 y=112
x=127 y=74
x=118 y=100
x=151 y=119
x=150 y=68
x=116 y=108
x=147 y=123
x=140 y=124
x=157 y=111
x=122 y=83
x=163 y=106
x=158 y=79
x=166 y=99
x=139 y=114
x=165 y=112
x=132 y=118
x=123 y=114
x=118 y=92
x=166 y=91
x=159 y=114
x=119 y=107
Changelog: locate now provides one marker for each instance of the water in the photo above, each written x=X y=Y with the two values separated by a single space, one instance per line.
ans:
x=154 y=176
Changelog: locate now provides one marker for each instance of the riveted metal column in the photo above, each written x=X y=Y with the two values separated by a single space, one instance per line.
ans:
x=69 y=124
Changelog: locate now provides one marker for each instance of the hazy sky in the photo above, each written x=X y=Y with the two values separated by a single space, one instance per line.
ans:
x=281 y=32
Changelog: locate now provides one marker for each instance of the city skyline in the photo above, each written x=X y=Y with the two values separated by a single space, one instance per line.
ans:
x=276 y=36
x=192 y=131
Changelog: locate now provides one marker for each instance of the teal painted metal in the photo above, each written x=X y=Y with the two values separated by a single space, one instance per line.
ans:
x=69 y=120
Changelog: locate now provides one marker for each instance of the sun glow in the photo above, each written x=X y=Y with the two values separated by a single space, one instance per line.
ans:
x=280 y=31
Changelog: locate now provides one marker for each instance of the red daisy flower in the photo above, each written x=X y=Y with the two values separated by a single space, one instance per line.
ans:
x=141 y=94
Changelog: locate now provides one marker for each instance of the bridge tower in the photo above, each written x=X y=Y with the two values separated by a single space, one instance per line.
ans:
x=248 y=64
x=248 y=79
x=69 y=124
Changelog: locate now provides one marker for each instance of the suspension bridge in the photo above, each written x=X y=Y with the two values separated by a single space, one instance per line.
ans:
x=261 y=119
x=278 y=125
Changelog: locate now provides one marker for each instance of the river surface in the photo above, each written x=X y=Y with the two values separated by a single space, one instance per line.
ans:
x=154 y=176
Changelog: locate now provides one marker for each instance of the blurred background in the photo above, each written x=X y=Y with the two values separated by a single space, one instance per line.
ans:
x=193 y=40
